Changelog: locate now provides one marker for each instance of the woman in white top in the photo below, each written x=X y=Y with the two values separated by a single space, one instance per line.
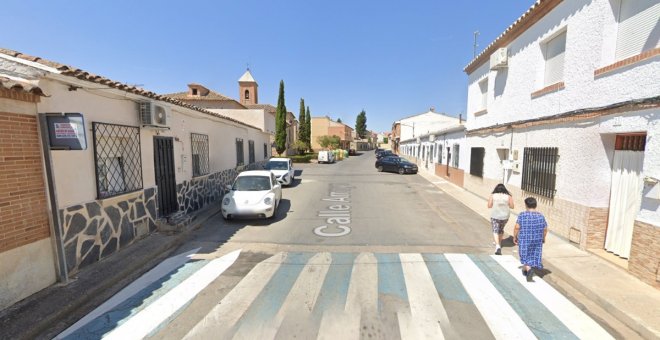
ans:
x=501 y=203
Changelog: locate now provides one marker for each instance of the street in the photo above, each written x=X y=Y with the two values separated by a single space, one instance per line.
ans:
x=351 y=253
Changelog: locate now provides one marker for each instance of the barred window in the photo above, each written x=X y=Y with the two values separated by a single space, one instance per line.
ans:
x=265 y=151
x=477 y=161
x=240 y=160
x=454 y=161
x=117 y=159
x=200 y=154
x=251 y=151
x=539 y=171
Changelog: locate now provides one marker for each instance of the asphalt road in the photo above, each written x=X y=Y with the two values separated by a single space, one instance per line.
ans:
x=351 y=253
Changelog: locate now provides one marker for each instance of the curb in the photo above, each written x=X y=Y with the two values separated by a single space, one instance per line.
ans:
x=25 y=327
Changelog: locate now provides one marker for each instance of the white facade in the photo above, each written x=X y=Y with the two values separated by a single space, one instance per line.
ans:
x=425 y=123
x=578 y=78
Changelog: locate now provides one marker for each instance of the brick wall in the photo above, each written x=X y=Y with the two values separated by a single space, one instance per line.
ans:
x=644 y=260
x=23 y=211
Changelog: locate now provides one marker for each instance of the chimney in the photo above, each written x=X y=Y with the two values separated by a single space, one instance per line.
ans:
x=432 y=109
x=460 y=118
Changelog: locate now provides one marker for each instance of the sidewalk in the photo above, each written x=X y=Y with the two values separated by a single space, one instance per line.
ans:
x=45 y=314
x=625 y=297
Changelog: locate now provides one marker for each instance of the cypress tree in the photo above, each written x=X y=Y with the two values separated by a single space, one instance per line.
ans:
x=280 y=122
x=301 y=122
x=308 y=129
x=361 y=125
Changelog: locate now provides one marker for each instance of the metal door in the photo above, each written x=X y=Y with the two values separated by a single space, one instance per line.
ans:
x=165 y=177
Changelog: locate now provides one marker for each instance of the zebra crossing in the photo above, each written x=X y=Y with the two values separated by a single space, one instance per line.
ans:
x=407 y=296
x=347 y=296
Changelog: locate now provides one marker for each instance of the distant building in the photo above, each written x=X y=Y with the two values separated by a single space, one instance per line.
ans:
x=324 y=126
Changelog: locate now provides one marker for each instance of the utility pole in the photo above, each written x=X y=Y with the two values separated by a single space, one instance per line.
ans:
x=474 y=52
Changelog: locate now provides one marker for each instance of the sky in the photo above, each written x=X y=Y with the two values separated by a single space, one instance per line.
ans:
x=392 y=59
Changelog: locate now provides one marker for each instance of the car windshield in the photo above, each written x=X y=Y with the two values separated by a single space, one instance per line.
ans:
x=252 y=183
x=277 y=165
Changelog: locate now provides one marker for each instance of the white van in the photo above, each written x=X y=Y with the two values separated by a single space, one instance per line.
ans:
x=326 y=157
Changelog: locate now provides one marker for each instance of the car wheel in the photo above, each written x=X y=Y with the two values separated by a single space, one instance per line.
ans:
x=380 y=168
x=402 y=171
x=228 y=217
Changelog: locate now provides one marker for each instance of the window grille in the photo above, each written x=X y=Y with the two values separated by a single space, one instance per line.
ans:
x=630 y=142
x=539 y=171
x=200 y=154
x=477 y=161
x=117 y=159
x=554 y=59
x=265 y=151
x=454 y=161
x=240 y=160
x=251 y=151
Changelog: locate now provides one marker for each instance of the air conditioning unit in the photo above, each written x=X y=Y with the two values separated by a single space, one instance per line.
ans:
x=499 y=59
x=152 y=115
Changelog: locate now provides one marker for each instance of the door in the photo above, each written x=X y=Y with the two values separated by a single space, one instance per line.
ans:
x=165 y=177
x=625 y=194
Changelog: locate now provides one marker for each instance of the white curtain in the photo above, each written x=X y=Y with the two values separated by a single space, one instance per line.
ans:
x=625 y=200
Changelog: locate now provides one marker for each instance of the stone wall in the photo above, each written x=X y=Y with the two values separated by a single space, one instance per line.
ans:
x=94 y=230
x=200 y=191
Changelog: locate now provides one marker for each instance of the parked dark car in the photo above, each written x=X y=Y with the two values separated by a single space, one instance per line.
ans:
x=378 y=150
x=396 y=164
x=384 y=153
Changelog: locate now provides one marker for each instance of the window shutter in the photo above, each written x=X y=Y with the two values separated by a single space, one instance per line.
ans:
x=637 y=21
x=554 y=59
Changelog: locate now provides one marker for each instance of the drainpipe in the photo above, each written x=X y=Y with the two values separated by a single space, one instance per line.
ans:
x=54 y=219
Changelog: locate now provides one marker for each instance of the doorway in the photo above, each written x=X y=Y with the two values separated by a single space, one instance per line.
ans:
x=625 y=193
x=165 y=176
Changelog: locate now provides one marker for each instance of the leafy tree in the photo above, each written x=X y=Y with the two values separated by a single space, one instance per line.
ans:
x=301 y=124
x=300 y=146
x=361 y=125
x=329 y=142
x=308 y=129
x=280 y=122
x=338 y=120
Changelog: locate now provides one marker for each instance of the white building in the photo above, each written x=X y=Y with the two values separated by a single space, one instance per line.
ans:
x=564 y=106
x=435 y=142
x=138 y=157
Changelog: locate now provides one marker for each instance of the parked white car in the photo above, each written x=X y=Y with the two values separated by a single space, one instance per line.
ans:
x=255 y=193
x=283 y=170
x=326 y=156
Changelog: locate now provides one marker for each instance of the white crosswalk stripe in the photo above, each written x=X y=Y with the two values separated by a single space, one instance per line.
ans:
x=364 y=295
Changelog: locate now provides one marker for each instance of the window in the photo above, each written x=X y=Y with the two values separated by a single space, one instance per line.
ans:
x=538 y=173
x=477 y=161
x=638 y=20
x=251 y=151
x=454 y=161
x=483 y=87
x=247 y=94
x=265 y=151
x=240 y=160
x=554 y=59
x=194 y=92
x=439 y=150
x=200 y=154
x=117 y=159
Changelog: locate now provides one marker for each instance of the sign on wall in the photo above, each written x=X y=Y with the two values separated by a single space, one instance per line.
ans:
x=66 y=131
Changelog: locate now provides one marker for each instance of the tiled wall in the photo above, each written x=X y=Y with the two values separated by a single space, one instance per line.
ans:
x=644 y=260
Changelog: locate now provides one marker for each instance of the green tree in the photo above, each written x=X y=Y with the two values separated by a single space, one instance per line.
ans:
x=338 y=120
x=300 y=146
x=301 y=124
x=361 y=125
x=308 y=129
x=329 y=142
x=280 y=122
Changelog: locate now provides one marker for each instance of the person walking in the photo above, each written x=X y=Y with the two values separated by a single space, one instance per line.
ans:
x=529 y=234
x=501 y=203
